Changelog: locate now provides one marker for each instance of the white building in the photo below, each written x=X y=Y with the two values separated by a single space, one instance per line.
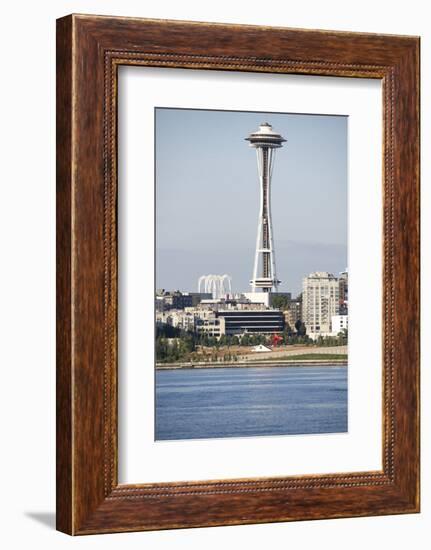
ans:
x=183 y=320
x=163 y=318
x=339 y=323
x=320 y=303
x=260 y=348
x=258 y=297
x=177 y=318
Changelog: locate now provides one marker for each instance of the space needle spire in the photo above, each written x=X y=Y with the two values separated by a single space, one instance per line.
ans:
x=265 y=141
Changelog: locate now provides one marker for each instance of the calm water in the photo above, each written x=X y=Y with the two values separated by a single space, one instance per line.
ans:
x=235 y=402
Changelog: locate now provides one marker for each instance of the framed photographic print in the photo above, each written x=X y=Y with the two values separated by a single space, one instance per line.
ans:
x=237 y=274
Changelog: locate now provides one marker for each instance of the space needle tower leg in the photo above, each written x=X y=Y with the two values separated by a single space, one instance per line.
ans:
x=265 y=141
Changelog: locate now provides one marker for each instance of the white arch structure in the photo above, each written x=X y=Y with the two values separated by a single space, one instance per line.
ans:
x=216 y=285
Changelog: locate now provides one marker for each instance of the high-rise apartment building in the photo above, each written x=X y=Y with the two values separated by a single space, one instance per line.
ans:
x=343 y=281
x=320 y=302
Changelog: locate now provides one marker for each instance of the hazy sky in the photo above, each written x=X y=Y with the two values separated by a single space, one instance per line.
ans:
x=207 y=196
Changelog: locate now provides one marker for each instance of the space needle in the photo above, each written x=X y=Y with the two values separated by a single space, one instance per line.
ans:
x=265 y=141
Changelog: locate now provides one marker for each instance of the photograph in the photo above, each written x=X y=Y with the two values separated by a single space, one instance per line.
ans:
x=251 y=274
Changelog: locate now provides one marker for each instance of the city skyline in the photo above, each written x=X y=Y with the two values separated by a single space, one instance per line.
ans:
x=207 y=197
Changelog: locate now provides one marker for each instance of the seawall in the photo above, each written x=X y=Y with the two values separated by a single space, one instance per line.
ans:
x=248 y=364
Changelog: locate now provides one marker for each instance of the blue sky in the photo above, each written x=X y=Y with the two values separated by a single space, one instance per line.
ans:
x=207 y=196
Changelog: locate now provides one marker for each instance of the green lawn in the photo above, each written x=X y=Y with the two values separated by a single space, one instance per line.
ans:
x=308 y=356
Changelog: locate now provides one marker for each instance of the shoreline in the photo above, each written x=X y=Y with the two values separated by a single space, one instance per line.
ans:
x=249 y=364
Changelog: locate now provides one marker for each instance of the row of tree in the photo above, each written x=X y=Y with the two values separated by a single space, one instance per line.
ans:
x=170 y=350
x=281 y=301
x=173 y=344
x=340 y=340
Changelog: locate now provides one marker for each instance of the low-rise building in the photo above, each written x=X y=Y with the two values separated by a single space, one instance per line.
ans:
x=261 y=298
x=166 y=300
x=293 y=313
x=178 y=300
x=183 y=320
x=211 y=326
x=339 y=323
x=176 y=318
x=218 y=318
x=254 y=321
x=163 y=318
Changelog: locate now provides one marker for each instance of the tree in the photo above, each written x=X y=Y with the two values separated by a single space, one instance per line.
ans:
x=161 y=349
x=279 y=301
x=300 y=327
x=343 y=337
x=168 y=331
x=245 y=340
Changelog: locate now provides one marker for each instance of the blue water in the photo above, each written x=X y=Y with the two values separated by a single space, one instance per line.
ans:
x=238 y=402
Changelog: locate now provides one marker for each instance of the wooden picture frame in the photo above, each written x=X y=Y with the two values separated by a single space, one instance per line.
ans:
x=89 y=51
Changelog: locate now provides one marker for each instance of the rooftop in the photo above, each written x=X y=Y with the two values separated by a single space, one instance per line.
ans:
x=265 y=137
